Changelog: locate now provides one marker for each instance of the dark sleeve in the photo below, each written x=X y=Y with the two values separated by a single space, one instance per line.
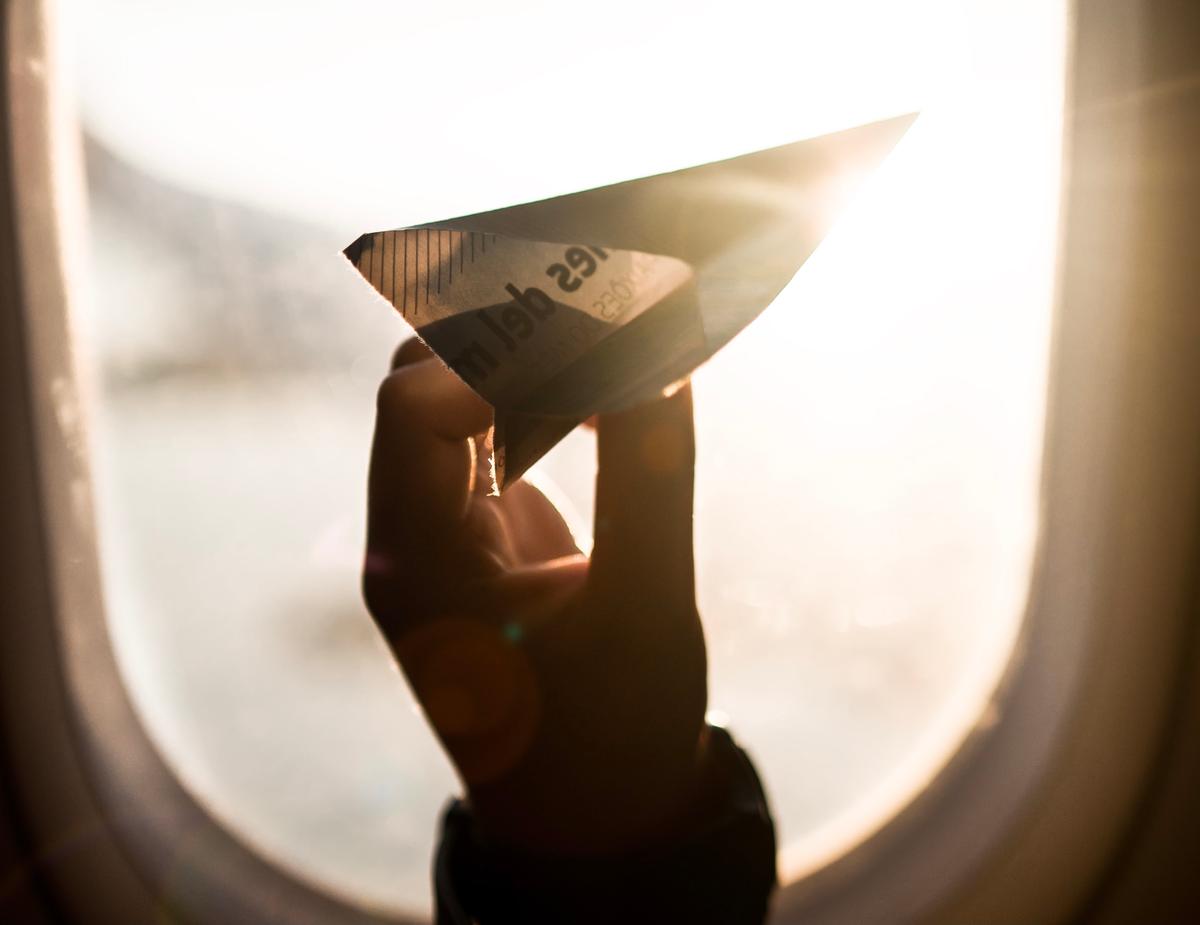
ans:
x=720 y=870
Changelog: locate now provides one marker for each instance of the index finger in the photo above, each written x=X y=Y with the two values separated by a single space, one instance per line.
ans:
x=422 y=467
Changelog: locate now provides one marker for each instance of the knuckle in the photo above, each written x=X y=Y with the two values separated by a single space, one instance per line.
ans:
x=411 y=350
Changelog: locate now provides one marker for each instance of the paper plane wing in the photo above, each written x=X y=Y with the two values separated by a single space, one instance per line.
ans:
x=555 y=310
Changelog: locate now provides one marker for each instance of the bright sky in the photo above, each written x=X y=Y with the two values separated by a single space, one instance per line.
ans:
x=377 y=114
x=931 y=293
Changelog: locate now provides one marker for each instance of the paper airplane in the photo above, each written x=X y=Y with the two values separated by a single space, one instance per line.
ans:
x=558 y=309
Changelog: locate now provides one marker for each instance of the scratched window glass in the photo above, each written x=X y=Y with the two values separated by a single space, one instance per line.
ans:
x=869 y=448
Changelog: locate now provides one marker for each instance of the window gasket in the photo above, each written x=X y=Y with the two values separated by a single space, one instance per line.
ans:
x=135 y=811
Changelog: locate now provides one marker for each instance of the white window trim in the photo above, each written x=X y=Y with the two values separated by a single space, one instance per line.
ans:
x=1019 y=826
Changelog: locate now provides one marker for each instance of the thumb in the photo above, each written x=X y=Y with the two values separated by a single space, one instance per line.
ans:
x=644 y=487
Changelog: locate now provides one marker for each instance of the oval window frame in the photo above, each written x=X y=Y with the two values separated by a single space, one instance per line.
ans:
x=1021 y=788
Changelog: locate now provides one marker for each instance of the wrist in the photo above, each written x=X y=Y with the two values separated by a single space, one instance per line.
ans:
x=714 y=863
x=608 y=809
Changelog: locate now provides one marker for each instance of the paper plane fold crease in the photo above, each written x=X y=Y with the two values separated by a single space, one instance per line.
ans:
x=558 y=309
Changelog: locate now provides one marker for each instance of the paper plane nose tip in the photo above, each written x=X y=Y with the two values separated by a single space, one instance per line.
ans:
x=355 y=249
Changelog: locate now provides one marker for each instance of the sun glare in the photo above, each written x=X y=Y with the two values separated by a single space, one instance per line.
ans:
x=869 y=448
x=901 y=377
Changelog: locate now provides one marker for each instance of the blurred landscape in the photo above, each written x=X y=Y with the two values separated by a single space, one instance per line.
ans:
x=866 y=515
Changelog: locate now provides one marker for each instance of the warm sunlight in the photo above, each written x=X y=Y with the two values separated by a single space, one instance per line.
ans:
x=915 y=339
x=869 y=448
x=426 y=114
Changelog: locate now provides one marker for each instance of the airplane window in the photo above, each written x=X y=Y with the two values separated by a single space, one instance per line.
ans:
x=869 y=450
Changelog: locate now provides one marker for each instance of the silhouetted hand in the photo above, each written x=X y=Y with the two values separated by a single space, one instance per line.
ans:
x=569 y=692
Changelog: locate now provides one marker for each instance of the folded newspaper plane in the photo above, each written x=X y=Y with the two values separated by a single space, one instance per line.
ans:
x=555 y=310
